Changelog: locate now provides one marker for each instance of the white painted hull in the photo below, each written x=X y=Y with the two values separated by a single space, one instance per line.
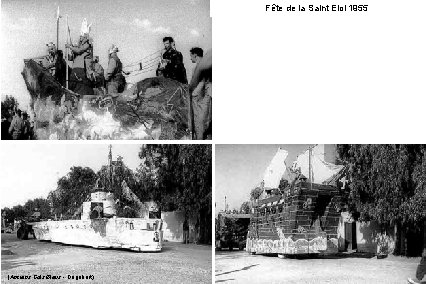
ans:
x=128 y=233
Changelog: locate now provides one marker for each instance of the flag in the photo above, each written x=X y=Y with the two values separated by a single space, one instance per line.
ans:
x=57 y=14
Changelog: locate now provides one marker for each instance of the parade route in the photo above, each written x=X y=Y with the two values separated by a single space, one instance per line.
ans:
x=240 y=267
x=177 y=263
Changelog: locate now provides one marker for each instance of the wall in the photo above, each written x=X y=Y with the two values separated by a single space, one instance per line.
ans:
x=173 y=226
x=369 y=236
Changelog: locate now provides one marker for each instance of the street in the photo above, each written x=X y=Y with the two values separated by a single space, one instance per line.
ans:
x=177 y=263
x=240 y=267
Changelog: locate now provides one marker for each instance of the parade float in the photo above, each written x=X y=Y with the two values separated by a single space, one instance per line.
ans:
x=148 y=108
x=100 y=227
x=153 y=108
x=294 y=215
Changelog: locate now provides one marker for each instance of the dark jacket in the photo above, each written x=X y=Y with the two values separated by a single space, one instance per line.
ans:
x=114 y=68
x=61 y=71
x=175 y=68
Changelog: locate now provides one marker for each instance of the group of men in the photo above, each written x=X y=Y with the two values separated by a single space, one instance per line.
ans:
x=87 y=77
x=171 y=66
x=16 y=126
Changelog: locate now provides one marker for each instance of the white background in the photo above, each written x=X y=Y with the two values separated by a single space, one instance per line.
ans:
x=323 y=77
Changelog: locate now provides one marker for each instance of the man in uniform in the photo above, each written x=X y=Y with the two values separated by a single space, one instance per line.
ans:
x=98 y=73
x=82 y=53
x=114 y=78
x=171 y=65
x=200 y=89
x=49 y=61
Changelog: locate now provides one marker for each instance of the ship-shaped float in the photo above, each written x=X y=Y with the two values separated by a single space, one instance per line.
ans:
x=300 y=217
x=99 y=226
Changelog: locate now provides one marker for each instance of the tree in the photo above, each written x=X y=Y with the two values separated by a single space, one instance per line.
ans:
x=38 y=205
x=178 y=177
x=112 y=179
x=9 y=103
x=256 y=193
x=245 y=207
x=72 y=190
x=387 y=183
x=9 y=215
x=15 y=213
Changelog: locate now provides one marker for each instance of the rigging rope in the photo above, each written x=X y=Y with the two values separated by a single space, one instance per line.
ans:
x=146 y=58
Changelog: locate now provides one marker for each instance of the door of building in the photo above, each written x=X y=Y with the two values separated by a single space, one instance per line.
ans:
x=350 y=236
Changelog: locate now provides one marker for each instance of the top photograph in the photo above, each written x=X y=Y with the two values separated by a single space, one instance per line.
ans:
x=106 y=70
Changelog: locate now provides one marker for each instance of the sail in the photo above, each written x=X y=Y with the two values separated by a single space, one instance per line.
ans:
x=320 y=169
x=275 y=170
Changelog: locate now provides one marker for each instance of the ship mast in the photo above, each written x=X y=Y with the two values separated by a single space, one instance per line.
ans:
x=310 y=181
x=110 y=167
x=310 y=173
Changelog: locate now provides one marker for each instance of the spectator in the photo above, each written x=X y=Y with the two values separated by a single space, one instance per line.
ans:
x=185 y=231
x=421 y=270
x=17 y=126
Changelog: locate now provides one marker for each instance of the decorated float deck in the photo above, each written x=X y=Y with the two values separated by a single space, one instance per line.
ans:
x=303 y=220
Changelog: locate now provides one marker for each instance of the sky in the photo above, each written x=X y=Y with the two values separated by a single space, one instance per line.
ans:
x=137 y=27
x=29 y=171
x=240 y=168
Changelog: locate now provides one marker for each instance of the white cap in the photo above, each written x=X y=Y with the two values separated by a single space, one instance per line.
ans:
x=113 y=48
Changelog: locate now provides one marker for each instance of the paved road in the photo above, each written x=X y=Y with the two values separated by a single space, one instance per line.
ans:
x=240 y=267
x=177 y=263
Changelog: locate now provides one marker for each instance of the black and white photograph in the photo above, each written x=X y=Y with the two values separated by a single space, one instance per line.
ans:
x=121 y=213
x=91 y=70
x=142 y=191
x=334 y=213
